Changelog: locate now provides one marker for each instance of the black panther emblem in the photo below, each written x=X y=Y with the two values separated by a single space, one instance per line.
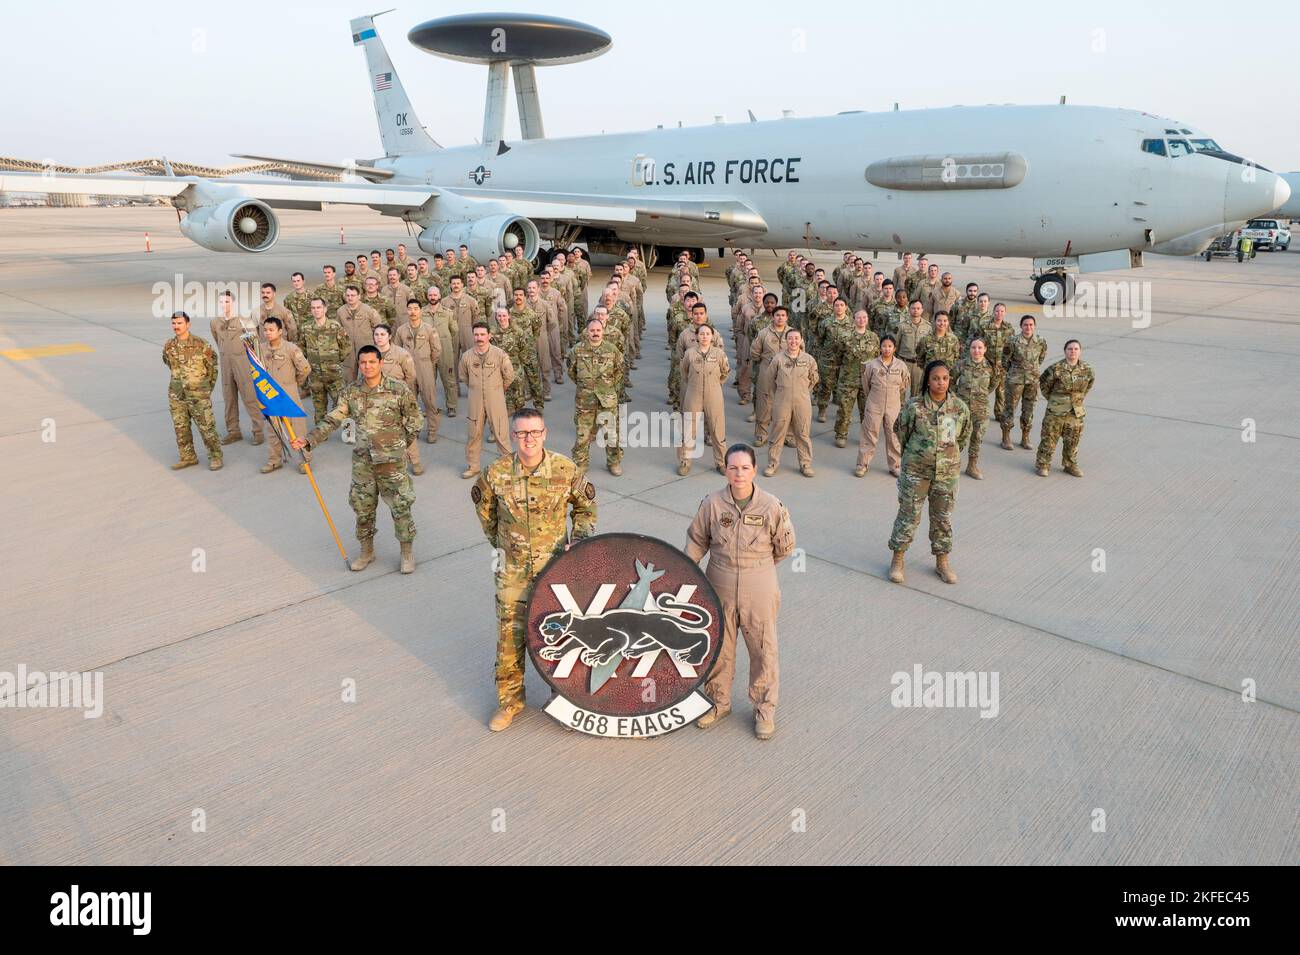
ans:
x=630 y=632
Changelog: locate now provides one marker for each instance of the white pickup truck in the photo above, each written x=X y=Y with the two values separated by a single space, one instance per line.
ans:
x=1268 y=234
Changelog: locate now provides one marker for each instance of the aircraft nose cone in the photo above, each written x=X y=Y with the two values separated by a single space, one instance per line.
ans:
x=1251 y=191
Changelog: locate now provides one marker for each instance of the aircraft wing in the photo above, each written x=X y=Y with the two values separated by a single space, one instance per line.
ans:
x=277 y=193
x=372 y=173
x=699 y=217
x=703 y=216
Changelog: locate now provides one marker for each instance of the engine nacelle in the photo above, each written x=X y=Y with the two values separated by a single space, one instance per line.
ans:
x=486 y=237
x=236 y=225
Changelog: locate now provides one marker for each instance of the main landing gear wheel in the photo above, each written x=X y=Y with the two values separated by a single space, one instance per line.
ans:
x=1050 y=289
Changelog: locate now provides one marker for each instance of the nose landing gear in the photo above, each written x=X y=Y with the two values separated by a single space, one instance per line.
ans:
x=1052 y=288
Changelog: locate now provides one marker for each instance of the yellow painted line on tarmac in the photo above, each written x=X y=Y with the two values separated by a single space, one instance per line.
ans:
x=45 y=351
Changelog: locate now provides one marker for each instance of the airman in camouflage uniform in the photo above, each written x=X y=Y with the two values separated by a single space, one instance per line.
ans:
x=298 y=301
x=914 y=282
x=973 y=317
x=523 y=501
x=326 y=347
x=940 y=345
x=530 y=324
x=889 y=311
x=387 y=420
x=330 y=291
x=997 y=332
x=858 y=345
x=596 y=368
x=814 y=317
x=963 y=311
x=513 y=338
x=830 y=355
x=933 y=430
x=194 y=373
x=1065 y=384
x=1022 y=357
x=971 y=381
x=582 y=271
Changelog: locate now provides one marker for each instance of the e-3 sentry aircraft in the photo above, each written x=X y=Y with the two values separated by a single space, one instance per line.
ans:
x=1072 y=187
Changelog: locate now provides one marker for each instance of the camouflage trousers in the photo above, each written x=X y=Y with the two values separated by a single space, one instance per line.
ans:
x=1026 y=396
x=533 y=372
x=850 y=393
x=325 y=388
x=998 y=389
x=1069 y=430
x=194 y=410
x=913 y=491
x=979 y=422
x=390 y=481
x=513 y=590
x=828 y=373
x=587 y=424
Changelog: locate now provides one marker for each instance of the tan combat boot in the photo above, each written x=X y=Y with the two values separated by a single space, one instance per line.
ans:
x=711 y=717
x=896 y=568
x=764 y=729
x=408 y=559
x=233 y=437
x=860 y=471
x=684 y=468
x=943 y=570
x=501 y=719
x=615 y=469
x=1006 y=436
x=214 y=464
x=841 y=442
x=184 y=463
x=1024 y=439
x=972 y=466
x=769 y=470
x=363 y=559
x=469 y=473
x=1073 y=469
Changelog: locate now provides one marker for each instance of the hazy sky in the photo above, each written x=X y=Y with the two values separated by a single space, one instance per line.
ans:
x=88 y=83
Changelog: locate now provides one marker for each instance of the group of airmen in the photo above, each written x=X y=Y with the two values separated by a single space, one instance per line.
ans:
x=920 y=363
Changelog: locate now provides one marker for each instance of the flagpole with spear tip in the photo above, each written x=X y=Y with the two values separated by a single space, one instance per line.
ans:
x=306 y=464
x=279 y=421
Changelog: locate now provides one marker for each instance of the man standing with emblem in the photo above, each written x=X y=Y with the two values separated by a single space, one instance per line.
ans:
x=524 y=502
x=746 y=532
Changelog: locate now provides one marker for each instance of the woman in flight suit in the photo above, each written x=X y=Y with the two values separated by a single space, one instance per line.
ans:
x=746 y=533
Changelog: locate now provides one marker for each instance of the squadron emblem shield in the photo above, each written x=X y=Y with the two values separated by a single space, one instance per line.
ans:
x=624 y=628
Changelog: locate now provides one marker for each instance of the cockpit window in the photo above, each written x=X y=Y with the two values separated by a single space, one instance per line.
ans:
x=1154 y=146
x=1203 y=145
x=1179 y=147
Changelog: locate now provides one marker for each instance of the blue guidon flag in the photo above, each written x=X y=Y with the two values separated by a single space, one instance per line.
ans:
x=383 y=81
x=270 y=396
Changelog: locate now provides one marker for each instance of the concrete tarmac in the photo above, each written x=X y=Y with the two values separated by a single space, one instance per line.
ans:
x=227 y=628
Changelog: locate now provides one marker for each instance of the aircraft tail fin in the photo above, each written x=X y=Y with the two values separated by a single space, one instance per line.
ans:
x=400 y=129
